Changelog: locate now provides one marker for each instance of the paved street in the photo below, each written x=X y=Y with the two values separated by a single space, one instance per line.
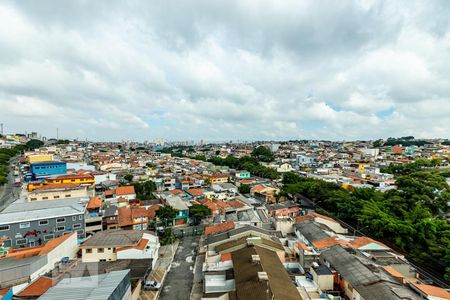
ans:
x=8 y=192
x=161 y=268
x=178 y=282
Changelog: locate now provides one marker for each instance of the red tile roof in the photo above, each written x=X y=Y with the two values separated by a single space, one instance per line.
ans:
x=125 y=190
x=109 y=192
x=195 y=192
x=219 y=228
x=431 y=290
x=176 y=191
x=39 y=250
x=55 y=186
x=79 y=176
x=225 y=256
x=235 y=203
x=140 y=245
x=363 y=241
x=37 y=288
x=95 y=202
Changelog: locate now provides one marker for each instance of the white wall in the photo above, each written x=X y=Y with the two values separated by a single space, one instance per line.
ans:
x=67 y=248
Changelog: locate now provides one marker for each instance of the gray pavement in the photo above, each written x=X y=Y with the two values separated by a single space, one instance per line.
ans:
x=8 y=192
x=178 y=282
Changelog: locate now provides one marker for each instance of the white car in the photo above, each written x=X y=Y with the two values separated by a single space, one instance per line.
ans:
x=152 y=285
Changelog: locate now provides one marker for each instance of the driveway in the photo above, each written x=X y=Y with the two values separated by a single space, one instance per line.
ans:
x=178 y=282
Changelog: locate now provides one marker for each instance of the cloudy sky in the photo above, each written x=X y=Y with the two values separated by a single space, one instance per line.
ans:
x=221 y=70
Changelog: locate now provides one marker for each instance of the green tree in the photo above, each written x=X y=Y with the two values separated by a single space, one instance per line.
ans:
x=144 y=190
x=198 y=212
x=128 y=177
x=33 y=144
x=263 y=153
x=244 y=189
x=166 y=215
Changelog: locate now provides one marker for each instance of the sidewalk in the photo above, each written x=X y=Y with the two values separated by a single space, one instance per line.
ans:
x=162 y=267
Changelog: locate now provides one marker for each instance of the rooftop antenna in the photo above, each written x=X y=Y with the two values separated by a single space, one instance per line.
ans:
x=1 y=128
x=57 y=133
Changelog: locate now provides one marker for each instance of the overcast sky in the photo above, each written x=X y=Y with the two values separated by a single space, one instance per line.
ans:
x=221 y=70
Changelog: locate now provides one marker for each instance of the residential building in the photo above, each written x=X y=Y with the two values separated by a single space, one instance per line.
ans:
x=59 y=191
x=112 y=245
x=31 y=224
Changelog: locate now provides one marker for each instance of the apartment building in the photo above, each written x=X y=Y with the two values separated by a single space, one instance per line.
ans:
x=32 y=224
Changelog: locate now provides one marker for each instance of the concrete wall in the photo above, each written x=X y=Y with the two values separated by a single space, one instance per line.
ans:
x=17 y=232
x=137 y=290
x=67 y=248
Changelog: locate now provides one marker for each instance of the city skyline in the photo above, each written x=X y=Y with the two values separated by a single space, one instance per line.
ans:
x=110 y=71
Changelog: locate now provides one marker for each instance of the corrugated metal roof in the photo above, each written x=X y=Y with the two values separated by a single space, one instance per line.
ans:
x=311 y=231
x=97 y=287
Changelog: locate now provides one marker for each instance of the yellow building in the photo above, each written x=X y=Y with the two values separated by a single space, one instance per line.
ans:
x=39 y=157
x=361 y=167
x=84 y=179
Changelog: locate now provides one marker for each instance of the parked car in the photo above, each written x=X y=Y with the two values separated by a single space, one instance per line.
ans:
x=152 y=285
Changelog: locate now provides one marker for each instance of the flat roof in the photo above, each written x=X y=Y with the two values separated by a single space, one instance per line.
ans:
x=94 y=287
x=53 y=162
x=29 y=211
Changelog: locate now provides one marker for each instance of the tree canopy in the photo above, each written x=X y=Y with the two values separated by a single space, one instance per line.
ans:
x=250 y=164
x=263 y=153
x=244 y=189
x=33 y=144
x=144 y=190
x=410 y=218
x=198 y=212
x=166 y=214
x=128 y=177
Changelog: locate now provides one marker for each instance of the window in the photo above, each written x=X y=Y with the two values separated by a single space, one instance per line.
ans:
x=114 y=250
x=80 y=232
x=24 y=225
x=60 y=220
x=74 y=218
x=60 y=228
x=44 y=198
x=4 y=227
x=55 y=197
x=80 y=217
x=33 y=199
x=49 y=237
x=68 y=196
x=43 y=222
x=88 y=250
x=100 y=250
x=76 y=226
x=21 y=241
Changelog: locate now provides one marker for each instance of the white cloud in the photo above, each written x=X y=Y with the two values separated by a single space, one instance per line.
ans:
x=234 y=70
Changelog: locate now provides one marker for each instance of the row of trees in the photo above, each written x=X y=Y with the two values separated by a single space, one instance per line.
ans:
x=7 y=153
x=411 y=217
x=404 y=169
x=250 y=164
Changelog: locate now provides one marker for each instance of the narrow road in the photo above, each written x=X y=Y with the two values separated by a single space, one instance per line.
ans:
x=178 y=282
x=8 y=192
